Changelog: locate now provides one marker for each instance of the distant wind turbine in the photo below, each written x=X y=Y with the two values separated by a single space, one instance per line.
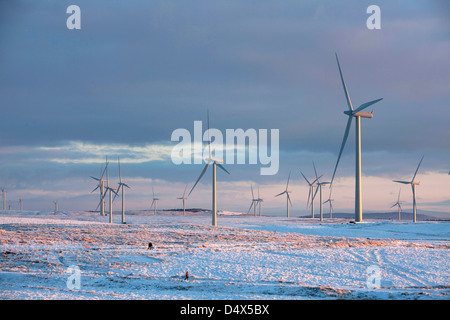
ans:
x=111 y=191
x=413 y=186
x=215 y=162
x=4 y=191
x=101 y=186
x=398 y=204
x=288 y=199
x=184 y=198
x=330 y=201
x=56 y=206
x=154 y=201
x=21 y=204
x=121 y=186
x=319 y=188
x=254 y=202
x=259 y=202
x=311 y=194
x=357 y=114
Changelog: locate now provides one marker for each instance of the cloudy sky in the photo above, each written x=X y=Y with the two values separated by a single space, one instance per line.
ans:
x=138 y=70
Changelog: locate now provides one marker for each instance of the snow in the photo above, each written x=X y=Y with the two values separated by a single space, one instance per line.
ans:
x=244 y=257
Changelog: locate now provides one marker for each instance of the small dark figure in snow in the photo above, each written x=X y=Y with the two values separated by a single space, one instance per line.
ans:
x=186 y=276
x=150 y=246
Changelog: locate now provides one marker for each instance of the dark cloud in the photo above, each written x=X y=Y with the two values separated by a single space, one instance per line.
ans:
x=138 y=70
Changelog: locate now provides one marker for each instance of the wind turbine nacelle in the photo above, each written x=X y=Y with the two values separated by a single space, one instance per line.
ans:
x=415 y=182
x=360 y=114
x=214 y=160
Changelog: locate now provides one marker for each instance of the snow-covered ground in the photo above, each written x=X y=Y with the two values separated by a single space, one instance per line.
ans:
x=245 y=257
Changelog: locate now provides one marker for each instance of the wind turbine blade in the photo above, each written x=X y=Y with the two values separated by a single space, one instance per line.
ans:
x=221 y=167
x=94 y=178
x=94 y=189
x=309 y=196
x=349 y=103
x=120 y=175
x=280 y=194
x=417 y=169
x=152 y=203
x=399 y=190
x=317 y=178
x=315 y=172
x=253 y=196
x=289 y=198
x=116 y=194
x=307 y=181
x=414 y=195
x=393 y=205
x=344 y=140
x=404 y=182
x=201 y=175
x=250 y=207
x=289 y=177
x=315 y=193
x=184 y=190
x=367 y=104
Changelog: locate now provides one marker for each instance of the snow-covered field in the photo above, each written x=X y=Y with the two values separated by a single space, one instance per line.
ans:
x=245 y=257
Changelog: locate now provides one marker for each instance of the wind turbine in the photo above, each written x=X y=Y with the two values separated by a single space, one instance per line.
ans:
x=215 y=163
x=254 y=202
x=413 y=186
x=111 y=191
x=331 y=205
x=319 y=188
x=184 y=201
x=259 y=202
x=101 y=186
x=4 y=198
x=311 y=194
x=288 y=199
x=21 y=204
x=155 y=200
x=121 y=186
x=398 y=204
x=357 y=114
x=56 y=206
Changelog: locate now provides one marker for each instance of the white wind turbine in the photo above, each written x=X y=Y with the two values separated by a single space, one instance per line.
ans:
x=288 y=199
x=111 y=191
x=4 y=191
x=259 y=202
x=56 y=206
x=184 y=198
x=101 y=186
x=215 y=162
x=413 y=186
x=319 y=188
x=254 y=202
x=311 y=194
x=121 y=186
x=330 y=201
x=357 y=114
x=154 y=202
x=398 y=204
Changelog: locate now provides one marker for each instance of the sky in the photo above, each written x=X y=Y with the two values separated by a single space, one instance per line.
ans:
x=138 y=70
